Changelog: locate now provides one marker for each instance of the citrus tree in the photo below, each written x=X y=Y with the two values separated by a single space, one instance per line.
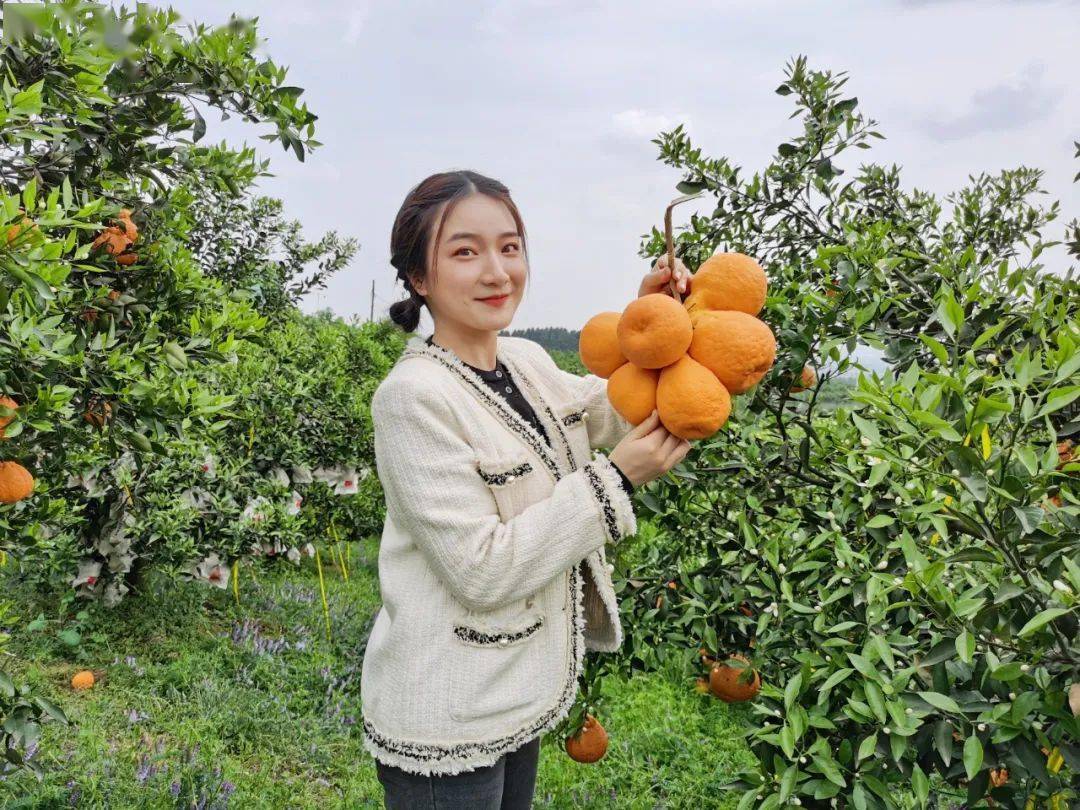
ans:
x=900 y=566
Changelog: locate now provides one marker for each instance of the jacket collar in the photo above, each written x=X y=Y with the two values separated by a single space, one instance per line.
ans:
x=418 y=346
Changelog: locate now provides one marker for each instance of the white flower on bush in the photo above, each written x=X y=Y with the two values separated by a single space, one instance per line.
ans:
x=208 y=466
x=295 y=500
x=1061 y=586
x=279 y=476
x=327 y=475
x=293 y=554
x=309 y=549
x=114 y=593
x=210 y=569
x=256 y=510
x=301 y=474
x=89 y=571
x=865 y=441
x=88 y=481
x=197 y=498
x=347 y=484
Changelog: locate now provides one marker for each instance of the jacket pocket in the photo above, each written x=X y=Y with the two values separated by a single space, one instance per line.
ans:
x=511 y=482
x=493 y=666
x=573 y=417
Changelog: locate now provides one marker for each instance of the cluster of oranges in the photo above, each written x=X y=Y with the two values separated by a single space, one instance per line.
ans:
x=117 y=240
x=686 y=360
x=16 y=482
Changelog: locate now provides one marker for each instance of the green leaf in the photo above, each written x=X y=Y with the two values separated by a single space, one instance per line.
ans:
x=938 y=348
x=973 y=756
x=866 y=747
x=940 y=701
x=943 y=740
x=879 y=521
x=876 y=700
x=1041 y=619
x=830 y=769
x=1007 y=672
x=950 y=314
x=69 y=637
x=1058 y=399
x=791 y=690
x=921 y=784
x=988 y=333
x=965 y=647
x=835 y=678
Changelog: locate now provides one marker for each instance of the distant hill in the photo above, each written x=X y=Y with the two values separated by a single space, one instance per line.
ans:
x=552 y=338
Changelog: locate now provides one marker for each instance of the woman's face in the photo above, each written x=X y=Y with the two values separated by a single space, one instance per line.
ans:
x=479 y=255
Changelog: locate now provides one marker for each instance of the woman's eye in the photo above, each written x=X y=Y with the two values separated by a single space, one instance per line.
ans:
x=514 y=246
x=461 y=249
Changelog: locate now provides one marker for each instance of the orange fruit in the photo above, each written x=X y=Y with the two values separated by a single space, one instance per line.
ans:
x=127 y=258
x=98 y=414
x=17 y=231
x=590 y=743
x=632 y=392
x=16 y=482
x=728 y=281
x=736 y=347
x=113 y=240
x=999 y=776
x=807 y=379
x=598 y=344
x=7 y=420
x=654 y=331
x=82 y=680
x=690 y=401
x=734 y=685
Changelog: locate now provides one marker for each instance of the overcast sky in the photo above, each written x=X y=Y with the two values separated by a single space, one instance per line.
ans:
x=559 y=99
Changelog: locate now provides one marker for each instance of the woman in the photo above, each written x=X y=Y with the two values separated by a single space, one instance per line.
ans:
x=491 y=565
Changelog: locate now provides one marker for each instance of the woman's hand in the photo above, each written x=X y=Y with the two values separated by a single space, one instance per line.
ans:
x=656 y=280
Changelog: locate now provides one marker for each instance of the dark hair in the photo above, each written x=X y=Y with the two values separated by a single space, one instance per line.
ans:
x=411 y=234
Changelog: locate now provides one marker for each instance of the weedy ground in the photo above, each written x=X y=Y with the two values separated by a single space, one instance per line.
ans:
x=205 y=700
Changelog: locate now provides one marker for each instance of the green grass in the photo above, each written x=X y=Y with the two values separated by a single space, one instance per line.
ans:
x=252 y=706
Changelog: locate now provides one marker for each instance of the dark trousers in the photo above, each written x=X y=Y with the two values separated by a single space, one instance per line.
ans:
x=506 y=785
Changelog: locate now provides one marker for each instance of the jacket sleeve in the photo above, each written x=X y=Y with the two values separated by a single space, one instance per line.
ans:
x=606 y=426
x=434 y=492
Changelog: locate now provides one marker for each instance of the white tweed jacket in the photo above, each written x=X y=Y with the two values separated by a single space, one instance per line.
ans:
x=491 y=565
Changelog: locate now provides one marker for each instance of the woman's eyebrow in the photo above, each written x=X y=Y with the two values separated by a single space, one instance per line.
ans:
x=478 y=237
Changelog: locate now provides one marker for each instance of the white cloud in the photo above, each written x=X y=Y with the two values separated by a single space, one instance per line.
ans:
x=644 y=125
x=1004 y=106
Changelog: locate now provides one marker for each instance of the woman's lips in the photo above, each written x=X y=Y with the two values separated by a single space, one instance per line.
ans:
x=494 y=302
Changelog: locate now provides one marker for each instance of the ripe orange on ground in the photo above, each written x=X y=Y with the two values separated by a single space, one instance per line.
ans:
x=654 y=331
x=736 y=347
x=82 y=680
x=16 y=482
x=733 y=685
x=590 y=743
x=728 y=281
